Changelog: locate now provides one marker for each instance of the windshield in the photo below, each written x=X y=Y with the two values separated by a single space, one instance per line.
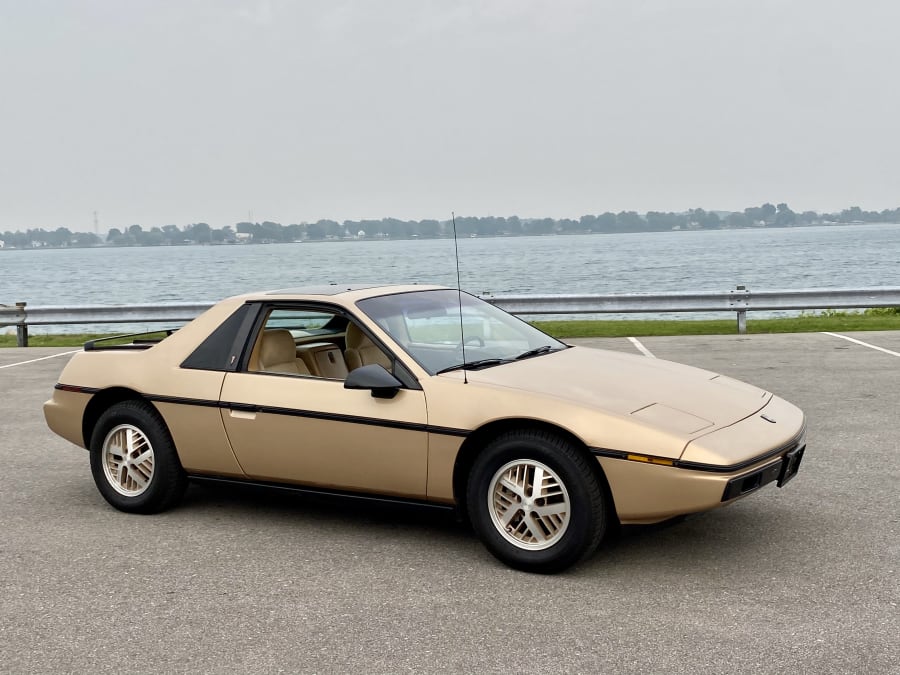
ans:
x=427 y=325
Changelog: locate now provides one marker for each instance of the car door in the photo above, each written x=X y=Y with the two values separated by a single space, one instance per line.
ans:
x=302 y=428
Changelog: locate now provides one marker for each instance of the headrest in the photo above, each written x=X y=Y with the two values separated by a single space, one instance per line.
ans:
x=278 y=346
x=355 y=337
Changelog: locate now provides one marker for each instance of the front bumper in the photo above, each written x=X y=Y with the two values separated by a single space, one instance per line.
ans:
x=781 y=471
x=650 y=490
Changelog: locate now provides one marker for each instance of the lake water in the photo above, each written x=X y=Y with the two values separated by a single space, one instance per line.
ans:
x=714 y=260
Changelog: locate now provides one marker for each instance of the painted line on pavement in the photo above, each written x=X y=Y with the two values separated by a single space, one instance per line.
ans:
x=43 y=358
x=860 y=342
x=641 y=348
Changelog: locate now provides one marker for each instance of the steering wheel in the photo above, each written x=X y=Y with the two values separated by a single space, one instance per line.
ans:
x=475 y=339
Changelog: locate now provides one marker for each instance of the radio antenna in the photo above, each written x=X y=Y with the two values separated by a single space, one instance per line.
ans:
x=462 y=334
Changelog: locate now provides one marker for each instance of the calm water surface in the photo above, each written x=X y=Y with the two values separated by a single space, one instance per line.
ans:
x=813 y=257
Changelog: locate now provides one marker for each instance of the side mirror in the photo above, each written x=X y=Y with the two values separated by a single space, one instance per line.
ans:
x=375 y=378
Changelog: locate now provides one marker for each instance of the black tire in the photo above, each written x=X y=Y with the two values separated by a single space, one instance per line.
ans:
x=156 y=482
x=566 y=538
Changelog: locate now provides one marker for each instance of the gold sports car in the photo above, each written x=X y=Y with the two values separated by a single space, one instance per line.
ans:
x=422 y=394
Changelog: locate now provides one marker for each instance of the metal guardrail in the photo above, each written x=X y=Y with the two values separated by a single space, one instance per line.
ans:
x=21 y=316
x=740 y=301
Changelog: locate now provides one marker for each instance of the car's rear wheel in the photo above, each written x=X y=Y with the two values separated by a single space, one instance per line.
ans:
x=133 y=459
x=536 y=502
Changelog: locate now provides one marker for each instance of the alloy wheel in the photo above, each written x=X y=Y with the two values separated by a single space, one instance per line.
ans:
x=128 y=460
x=529 y=504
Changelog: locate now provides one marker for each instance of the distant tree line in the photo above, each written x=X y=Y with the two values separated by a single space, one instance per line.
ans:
x=766 y=215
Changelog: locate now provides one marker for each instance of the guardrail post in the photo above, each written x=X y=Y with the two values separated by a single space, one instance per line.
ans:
x=22 y=327
x=742 y=313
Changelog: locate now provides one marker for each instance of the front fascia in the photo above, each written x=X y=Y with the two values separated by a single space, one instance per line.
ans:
x=770 y=428
x=646 y=493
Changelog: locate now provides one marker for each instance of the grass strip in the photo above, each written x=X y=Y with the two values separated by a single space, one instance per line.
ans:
x=62 y=340
x=650 y=328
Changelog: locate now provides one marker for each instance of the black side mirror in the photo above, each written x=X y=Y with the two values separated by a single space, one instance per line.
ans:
x=375 y=378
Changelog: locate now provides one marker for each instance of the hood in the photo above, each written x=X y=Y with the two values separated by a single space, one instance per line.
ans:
x=667 y=395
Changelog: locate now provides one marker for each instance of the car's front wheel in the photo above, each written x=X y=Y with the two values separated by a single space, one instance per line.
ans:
x=133 y=459
x=535 y=501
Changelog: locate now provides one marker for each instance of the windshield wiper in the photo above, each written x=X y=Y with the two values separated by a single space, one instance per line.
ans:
x=487 y=363
x=473 y=365
x=543 y=349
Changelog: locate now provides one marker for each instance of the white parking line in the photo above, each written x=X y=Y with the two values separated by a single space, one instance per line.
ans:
x=860 y=342
x=43 y=358
x=641 y=348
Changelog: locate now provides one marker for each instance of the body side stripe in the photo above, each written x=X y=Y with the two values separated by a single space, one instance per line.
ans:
x=75 y=388
x=293 y=412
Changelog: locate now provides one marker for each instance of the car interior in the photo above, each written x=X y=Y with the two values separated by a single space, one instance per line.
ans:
x=315 y=344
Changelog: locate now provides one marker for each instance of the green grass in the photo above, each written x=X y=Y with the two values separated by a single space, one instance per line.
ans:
x=871 y=319
x=808 y=323
x=69 y=340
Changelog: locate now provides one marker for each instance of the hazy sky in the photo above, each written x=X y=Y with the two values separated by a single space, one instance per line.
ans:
x=179 y=111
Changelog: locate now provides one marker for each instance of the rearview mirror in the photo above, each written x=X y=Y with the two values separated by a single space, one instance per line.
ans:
x=375 y=378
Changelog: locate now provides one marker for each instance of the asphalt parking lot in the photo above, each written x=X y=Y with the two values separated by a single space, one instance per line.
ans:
x=804 y=579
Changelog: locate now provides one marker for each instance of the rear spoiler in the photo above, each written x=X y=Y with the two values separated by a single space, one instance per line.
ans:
x=139 y=341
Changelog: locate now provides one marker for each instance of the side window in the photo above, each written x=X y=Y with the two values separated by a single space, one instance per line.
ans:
x=302 y=342
x=302 y=323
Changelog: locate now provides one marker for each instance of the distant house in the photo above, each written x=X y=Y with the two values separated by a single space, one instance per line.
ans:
x=361 y=234
x=242 y=237
x=2 y=244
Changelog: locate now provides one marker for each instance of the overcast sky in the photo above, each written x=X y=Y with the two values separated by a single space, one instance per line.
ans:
x=180 y=111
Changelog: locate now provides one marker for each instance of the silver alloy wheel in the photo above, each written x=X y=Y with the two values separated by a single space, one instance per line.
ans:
x=529 y=504
x=128 y=460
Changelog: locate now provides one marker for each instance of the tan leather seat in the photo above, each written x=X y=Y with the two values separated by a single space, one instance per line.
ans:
x=278 y=353
x=323 y=360
x=361 y=351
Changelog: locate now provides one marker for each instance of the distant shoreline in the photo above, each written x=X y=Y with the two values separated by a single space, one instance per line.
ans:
x=346 y=239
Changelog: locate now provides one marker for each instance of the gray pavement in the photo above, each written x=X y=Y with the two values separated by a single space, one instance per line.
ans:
x=804 y=579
